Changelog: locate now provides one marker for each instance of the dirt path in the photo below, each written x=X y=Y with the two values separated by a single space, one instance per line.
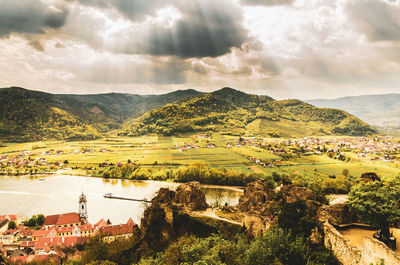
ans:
x=211 y=214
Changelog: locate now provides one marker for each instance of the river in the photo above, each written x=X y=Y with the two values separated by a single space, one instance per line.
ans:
x=28 y=195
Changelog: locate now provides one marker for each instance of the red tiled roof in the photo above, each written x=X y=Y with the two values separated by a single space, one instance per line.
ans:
x=30 y=258
x=51 y=220
x=130 y=221
x=100 y=223
x=41 y=232
x=69 y=241
x=62 y=219
x=113 y=230
x=29 y=244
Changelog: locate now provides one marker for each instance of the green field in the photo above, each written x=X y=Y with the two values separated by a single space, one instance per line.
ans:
x=162 y=152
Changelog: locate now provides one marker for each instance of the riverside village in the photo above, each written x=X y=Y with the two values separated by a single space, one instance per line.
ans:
x=64 y=237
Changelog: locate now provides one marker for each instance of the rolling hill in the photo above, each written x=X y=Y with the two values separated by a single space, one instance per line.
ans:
x=233 y=112
x=378 y=110
x=27 y=115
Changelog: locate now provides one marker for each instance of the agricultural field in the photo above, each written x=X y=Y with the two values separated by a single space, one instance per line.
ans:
x=218 y=151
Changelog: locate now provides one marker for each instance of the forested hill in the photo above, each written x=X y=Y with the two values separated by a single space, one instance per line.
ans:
x=234 y=112
x=27 y=115
x=378 y=110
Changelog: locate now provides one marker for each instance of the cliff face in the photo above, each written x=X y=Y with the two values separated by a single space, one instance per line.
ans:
x=188 y=195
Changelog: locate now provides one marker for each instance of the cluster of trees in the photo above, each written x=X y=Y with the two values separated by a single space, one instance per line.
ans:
x=377 y=203
x=35 y=220
x=195 y=172
x=276 y=246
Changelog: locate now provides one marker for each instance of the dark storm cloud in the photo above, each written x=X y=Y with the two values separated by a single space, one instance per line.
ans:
x=207 y=29
x=266 y=2
x=378 y=19
x=29 y=17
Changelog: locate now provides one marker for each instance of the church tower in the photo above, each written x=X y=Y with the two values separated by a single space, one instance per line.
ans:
x=83 y=208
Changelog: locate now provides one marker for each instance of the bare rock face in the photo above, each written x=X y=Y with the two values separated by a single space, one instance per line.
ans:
x=191 y=196
x=164 y=195
x=336 y=214
x=293 y=193
x=257 y=198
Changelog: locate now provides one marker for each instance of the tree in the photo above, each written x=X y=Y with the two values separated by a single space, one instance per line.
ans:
x=377 y=204
x=40 y=219
x=12 y=225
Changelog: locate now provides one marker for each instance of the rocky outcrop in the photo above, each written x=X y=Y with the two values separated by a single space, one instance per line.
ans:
x=336 y=214
x=191 y=196
x=164 y=195
x=293 y=193
x=188 y=195
x=257 y=198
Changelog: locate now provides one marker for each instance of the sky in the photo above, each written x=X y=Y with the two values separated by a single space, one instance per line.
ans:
x=302 y=49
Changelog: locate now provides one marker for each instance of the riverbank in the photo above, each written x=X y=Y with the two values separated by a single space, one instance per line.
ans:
x=27 y=195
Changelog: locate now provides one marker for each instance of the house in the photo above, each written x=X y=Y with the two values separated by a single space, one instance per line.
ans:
x=9 y=236
x=44 y=232
x=49 y=245
x=62 y=220
x=12 y=217
x=113 y=232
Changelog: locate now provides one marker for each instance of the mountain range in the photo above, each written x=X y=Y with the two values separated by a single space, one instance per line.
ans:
x=382 y=111
x=27 y=115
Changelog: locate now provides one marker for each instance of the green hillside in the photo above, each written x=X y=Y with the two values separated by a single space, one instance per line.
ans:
x=27 y=115
x=234 y=112
x=379 y=110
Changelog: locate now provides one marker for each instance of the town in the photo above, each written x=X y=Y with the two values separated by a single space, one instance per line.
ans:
x=57 y=235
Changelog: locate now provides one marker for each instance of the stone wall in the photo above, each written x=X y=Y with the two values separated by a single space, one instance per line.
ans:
x=374 y=250
x=340 y=246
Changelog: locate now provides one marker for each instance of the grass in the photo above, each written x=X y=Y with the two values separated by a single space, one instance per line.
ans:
x=161 y=152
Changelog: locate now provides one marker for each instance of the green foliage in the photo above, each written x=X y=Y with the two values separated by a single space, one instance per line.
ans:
x=275 y=247
x=231 y=110
x=297 y=217
x=27 y=115
x=12 y=225
x=194 y=172
x=377 y=203
x=35 y=220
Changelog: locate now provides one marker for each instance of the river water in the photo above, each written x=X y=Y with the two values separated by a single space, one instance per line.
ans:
x=28 y=195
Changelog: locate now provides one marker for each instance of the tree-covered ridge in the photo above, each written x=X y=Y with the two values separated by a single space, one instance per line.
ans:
x=27 y=115
x=232 y=111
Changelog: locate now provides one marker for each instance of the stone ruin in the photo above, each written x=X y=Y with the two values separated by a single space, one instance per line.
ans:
x=188 y=195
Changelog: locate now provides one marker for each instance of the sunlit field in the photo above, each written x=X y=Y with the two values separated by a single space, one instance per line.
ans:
x=166 y=152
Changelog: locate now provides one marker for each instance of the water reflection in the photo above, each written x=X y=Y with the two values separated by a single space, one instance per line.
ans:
x=27 y=195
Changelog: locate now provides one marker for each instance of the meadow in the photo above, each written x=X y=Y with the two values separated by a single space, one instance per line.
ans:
x=172 y=152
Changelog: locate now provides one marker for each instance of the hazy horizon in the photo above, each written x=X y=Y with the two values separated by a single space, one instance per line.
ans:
x=301 y=49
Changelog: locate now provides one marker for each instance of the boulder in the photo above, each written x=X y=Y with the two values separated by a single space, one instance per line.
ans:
x=336 y=214
x=164 y=195
x=190 y=195
x=257 y=197
x=291 y=194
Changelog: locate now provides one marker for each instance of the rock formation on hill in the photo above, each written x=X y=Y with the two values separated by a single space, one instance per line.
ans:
x=188 y=195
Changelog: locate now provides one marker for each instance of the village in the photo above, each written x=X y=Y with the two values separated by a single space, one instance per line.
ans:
x=283 y=152
x=56 y=237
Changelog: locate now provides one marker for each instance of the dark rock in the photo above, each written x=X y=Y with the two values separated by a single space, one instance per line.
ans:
x=257 y=197
x=190 y=195
x=336 y=214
